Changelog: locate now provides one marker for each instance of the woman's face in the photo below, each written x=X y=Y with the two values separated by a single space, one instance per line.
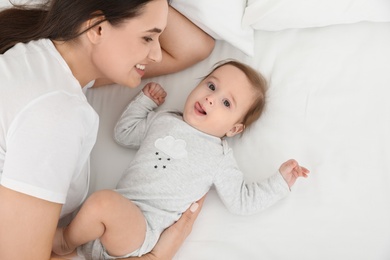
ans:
x=124 y=51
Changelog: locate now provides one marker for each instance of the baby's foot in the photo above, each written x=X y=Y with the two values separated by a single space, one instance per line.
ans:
x=60 y=247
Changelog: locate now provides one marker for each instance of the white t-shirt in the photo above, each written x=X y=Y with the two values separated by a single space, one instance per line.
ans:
x=47 y=127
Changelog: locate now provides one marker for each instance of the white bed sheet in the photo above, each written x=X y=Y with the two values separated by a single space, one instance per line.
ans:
x=328 y=107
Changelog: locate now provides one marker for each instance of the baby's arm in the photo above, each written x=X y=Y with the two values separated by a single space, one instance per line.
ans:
x=245 y=198
x=132 y=125
x=155 y=92
x=291 y=171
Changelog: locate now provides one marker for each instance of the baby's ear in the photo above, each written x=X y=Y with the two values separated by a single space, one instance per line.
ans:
x=236 y=129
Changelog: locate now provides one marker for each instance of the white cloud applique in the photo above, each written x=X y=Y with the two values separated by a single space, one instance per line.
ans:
x=175 y=148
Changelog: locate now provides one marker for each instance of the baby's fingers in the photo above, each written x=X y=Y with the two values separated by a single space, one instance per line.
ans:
x=303 y=172
x=154 y=88
x=158 y=91
x=288 y=166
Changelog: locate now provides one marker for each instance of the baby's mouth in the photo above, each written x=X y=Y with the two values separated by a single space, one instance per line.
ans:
x=199 y=108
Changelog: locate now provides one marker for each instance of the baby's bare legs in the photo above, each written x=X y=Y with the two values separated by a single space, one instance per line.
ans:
x=107 y=215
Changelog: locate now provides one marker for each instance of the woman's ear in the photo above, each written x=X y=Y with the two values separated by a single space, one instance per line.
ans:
x=95 y=32
x=236 y=129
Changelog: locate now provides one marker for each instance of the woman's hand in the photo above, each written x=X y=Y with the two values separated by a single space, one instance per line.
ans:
x=173 y=237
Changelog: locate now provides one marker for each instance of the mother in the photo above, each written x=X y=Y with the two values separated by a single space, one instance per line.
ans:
x=50 y=54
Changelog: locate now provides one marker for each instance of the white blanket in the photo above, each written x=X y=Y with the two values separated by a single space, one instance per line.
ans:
x=328 y=107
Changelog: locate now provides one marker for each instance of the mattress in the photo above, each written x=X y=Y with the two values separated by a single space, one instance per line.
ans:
x=328 y=107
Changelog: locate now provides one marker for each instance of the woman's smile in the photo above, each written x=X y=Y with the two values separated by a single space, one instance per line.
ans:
x=140 y=68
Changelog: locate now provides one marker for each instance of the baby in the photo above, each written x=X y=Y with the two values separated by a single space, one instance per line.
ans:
x=180 y=157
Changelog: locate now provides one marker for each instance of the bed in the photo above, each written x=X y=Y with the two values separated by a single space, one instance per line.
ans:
x=328 y=68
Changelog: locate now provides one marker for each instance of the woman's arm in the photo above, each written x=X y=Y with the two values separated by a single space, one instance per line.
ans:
x=27 y=225
x=183 y=44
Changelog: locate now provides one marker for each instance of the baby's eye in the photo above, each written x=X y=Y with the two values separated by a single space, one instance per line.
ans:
x=226 y=103
x=211 y=86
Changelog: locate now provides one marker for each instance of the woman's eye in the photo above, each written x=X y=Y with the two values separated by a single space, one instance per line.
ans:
x=226 y=103
x=211 y=86
x=148 y=39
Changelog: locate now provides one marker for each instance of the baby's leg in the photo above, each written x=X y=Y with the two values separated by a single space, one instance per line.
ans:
x=107 y=215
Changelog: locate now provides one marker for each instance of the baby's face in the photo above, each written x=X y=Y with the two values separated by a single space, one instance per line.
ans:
x=218 y=104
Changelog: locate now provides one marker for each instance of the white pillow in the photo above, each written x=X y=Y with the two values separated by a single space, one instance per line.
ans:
x=221 y=19
x=4 y=3
x=274 y=15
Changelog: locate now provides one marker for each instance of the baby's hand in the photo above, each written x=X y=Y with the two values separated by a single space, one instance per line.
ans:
x=155 y=92
x=291 y=171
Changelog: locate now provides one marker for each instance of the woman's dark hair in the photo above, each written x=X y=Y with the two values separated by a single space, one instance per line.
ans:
x=60 y=19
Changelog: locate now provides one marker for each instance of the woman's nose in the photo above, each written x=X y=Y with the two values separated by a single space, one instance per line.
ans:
x=155 y=53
